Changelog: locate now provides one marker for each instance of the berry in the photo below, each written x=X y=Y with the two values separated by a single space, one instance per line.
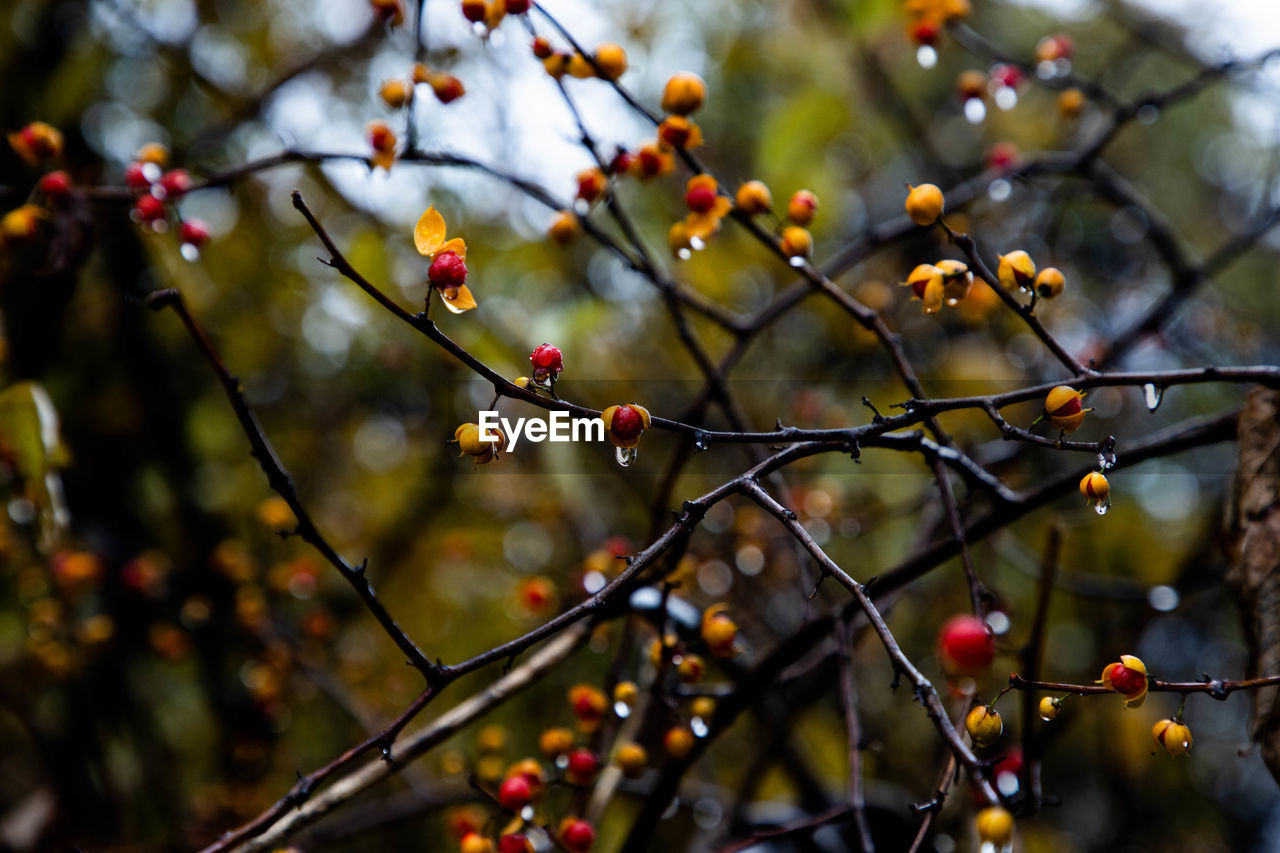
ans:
x=515 y=793
x=37 y=141
x=1065 y=409
x=588 y=704
x=1173 y=735
x=1016 y=270
x=447 y=271
x=679 y=132
x=995 y=826
x=194 y=232
x=1070 y=102
x=518 y=7
x=678 y=742
x=541 y=47
x=55 y=184
x=582 y=766
x=1128 y=678
x=690 y=669
x=1055 y=47
x=148 y=208
x=683 y=93
x=626 y=692
x=175 y=183
x=612 y=60
x=591 y=184
x=473 y=10
x=1095 y=487
x=625 y=423
x=966 y=645
x=135 y=176
x=984 y=725
x=447 y=88
x=513 y=844
x=395 y=93
x=547 y=362
x=474 y=842
x=577 y=835
x=1050 y=282
x=754 y=197
x=631 y=760
x=924 y=32
x=1007 y=76
x=21 y=224
x=700 y=198
x=971 y=84
x=153 y=153
x=1002 y=156
x=469 y=443
x=924 y=204
x=564 y=227
x=802 y=207
x=555 y=742
x=1049 y=708
x=796 y=242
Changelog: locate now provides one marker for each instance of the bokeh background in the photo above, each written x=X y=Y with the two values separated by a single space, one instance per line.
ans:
x=167 y=661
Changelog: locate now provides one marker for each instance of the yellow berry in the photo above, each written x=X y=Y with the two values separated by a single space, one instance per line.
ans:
x=796 y=242
x=1173 y=735
x=754 y=197
x=1016 y=270
x=612 y=60
x=802 y=207
x=683 y=93
x=924 y=204
x=564 y=227
x=995 y=826
x=984 y=725
x=1050 y=282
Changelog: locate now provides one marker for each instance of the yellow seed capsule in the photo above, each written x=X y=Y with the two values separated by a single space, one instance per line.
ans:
x=579 y=67
x=1065 y=409
x=703 y=706
x=971 y=84
x=1049 y=707
x=796 y=242
x=1095 y=487
x=683 y=93
x=153 y=152
x=678 y=742
x=564 y=227
x=612 y=60
x=995 y=826
x=802 y=207
x=984 y=725
x=555 y=742
x=1016 y=270
x=924 y=204
x=631 y=759
x=1050 y=282
x=1173 y=735
x=1070 y=102
x=956 y=281
x=395 y=93
x=626 y=692
x=754 y=197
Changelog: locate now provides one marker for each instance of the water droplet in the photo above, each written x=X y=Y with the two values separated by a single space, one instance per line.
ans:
x=479 y=28
x=671 y=809
x=625 y=456
x=952 y=302
x=684 y=254
x=1046 y=718
x=582 y=207
x=1007 y=783
x=1103 y=506
x=1106 y=460
x=697 y=243
x=1148 y=115
x=797 y=261
x=151 y=172
x=527 y=813
x=189 y=252
x=562 y=761
x=926 y=56
x=1006 y=98
x=1153 y=394
x=593 y=582
x=622 y=709
x=998 y=622
x=1000 y=190
x=975 y=110
x=1046 y=70
x=699 y=727
x=699 y=442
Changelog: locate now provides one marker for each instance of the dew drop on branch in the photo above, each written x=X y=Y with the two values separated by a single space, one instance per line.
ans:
x=1103 y=506
x=190 y=252
x=926 y=56
x=625 y=456
x=1153 y=394
x=975 y=110
x=699 y=727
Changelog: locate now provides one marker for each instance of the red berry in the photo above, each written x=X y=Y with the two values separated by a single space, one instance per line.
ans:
x=1127 y=681
x=193 y=231
x=582 y=765
x=448 y=271
x=547 y=360
x=577 y=836
x=1002 y=156
x=175 y=182
x=513 y=844
x=473 y=10
x=148 y=208
x=518 y=7
x=627 y=423
x=135 y=177
x=515 y=793
x=1007 y=75
x=621 y=162
x=966 y=644
x=55 y=184
x=700 y=199
x=924 y=32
